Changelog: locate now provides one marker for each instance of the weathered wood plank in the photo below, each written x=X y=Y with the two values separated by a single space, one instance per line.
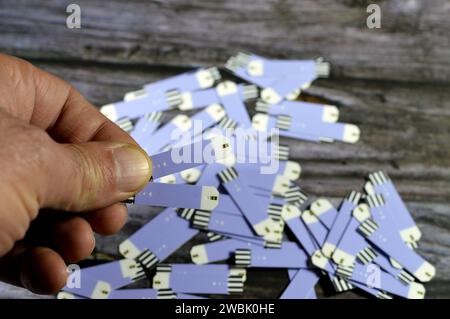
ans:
x=412 y=45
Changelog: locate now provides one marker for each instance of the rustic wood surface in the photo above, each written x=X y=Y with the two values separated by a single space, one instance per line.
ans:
x=393 y=82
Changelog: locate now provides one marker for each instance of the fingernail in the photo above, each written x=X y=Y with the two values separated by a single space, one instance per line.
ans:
x=133 y=168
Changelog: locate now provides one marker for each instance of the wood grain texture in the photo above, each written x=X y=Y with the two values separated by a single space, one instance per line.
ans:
x=412 y=45
x=392 y=83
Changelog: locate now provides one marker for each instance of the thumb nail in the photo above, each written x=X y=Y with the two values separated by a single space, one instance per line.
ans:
x=133 y=168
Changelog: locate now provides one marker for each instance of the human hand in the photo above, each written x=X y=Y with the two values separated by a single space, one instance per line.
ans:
x=64 y=168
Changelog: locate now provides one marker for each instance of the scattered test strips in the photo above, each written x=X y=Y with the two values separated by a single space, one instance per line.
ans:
x=211 y=185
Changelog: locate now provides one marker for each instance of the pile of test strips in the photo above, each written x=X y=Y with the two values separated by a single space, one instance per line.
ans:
x=251 y=219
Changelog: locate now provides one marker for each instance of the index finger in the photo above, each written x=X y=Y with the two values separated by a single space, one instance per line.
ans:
x=60 y=109
x=72 y=118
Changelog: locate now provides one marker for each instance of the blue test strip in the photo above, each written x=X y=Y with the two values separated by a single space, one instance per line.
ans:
x=188 y=296
x=277 y=183
x=295 y=196
x=272 y=185
x=189 y=176
x=339 y=284
x=372 y=275
x=258 y=151
x=319 y=233
x=294 y=80
x=160 y=101
x=202 y=98
x=315 y=132
x=381 y=215
x=292 y=217
x=316 y=228
x=164 y=136
x=326 y=131
x=301 y=111
x=146 y=126
x=209 y=175
x=212 y=236
x=258 y=66
x=382 y=184
x=222 y=223
x=146 y=293
x=68 y=295
x=301 y=285
x=255 y=215
x=352 y=245
x=216 y=251
x=343 y=218
x=206 y=118
x=226 y=125
x=324 y=211
x=290 y=255
x=383 y=261
x=372 y=291
x=281 y=88
x=148 y=247
x=255 y=240
x=200 y=279
x=227 y=206
x=265 y=123
x=125 y=124
x=233 y=103
x=237 y=65
x=312 y=293
x=177 y=195
x=97 y=282
x=198 y=99
x=267 y=199
x=189 y=156
x=408 y=258
x=189 y=81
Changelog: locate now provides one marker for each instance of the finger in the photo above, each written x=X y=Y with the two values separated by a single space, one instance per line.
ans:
x=40 y=269
x=73 y=239
x=43 y=271
x=10 y=264
x=69 y=117
x=108 y=220
x=104 y=221
x=52 y=104
x=79 y=121
x=89 y=176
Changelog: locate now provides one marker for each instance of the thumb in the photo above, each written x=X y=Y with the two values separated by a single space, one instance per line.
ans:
x=95 y=174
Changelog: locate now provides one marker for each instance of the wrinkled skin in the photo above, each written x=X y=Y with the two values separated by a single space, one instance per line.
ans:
x=58 y=177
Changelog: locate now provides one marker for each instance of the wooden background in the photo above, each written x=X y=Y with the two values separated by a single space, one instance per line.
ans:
x=393 y=82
